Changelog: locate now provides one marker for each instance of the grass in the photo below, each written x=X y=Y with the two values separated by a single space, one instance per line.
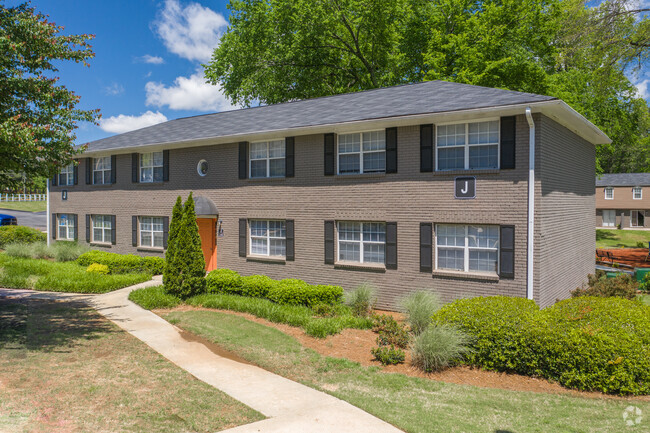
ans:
x=645 y=299
x=27 y=206
x=40 y=274
x=59 y=251
x=412 y=404
x=609 y=238
x=64 y=368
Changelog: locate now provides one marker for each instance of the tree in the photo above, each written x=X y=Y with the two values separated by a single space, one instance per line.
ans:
x=172 y=237
x=37 y=116
x=186 y=276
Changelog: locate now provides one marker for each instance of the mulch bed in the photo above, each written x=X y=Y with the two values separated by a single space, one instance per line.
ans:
x=634 y=257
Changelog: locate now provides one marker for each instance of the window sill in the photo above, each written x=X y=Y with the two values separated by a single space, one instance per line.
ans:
x=266 y=259
x=101 y=185
x=466 y=275
x=101 y=244
x=64 y=240
x=359 y=175
x=465 y=172
x=369 y=267
x=267 y=179
x=151 y=249
x=160 y=182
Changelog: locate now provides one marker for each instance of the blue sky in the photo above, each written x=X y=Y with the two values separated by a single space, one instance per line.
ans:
x=147 y=59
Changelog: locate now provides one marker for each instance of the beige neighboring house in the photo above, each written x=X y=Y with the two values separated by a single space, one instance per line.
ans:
x=623 y=199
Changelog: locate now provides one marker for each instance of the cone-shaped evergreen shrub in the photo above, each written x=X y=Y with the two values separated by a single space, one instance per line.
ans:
x=187 y=262
x=174 y=226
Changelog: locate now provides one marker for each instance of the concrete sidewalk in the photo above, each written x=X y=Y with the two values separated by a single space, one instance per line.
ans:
x=289 y=406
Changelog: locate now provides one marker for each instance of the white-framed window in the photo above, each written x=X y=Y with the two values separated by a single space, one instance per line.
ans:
x=467 y=146
x=609 y=193
x=267 y=159
x=467 y=248
x=151 y=167
x=151 y=232
x=361 y=242
x=637 y=218
x=102 y=170
x=101 y=228
x=609 y=217
x=362 y=152
x=66 y=175
x=65 y=223
x=268 y=238
x=637 y=193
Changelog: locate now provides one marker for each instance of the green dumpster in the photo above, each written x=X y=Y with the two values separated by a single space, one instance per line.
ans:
x=640 y=273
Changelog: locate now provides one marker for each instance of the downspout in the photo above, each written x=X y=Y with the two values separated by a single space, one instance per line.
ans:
x=531 y=202
x=49 y=218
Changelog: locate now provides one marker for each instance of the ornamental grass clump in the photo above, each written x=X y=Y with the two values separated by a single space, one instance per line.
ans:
x=438 y=347
x=362 y=300
x=419 y=307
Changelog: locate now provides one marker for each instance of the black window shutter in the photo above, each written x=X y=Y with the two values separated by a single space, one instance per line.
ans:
x=508 y=131
x=113 y=230
x=329 y=155
x=89 y=171
x=507 y=252
x=391 y=245
x=243 y=234
x=135 y=161
x=391 y=150
x=426 y=148
x=76 y=226
x=426 y=247
x=75 y=174
x=165 y=165
x=134 y=231
x=54 y=227
x=329 y=242
x=291 y=253
x=289 y=157
x=55 y=179
x=165 y=231
x=243 y=160
x=87 y=227
x=113 y=168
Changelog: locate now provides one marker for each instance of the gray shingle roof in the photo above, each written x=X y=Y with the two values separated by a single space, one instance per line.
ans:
x=624 y=179
x=410 y=99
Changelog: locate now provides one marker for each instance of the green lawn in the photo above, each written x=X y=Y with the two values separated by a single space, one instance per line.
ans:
x=412 y=404
x=28 y=206
x=608 y=238
x=64 y=368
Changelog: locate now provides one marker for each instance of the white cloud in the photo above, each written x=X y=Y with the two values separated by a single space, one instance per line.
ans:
x=192 y=31
x=114 y=89
x=187 y=93
x=154 y=60
x=642 y=87
x=124 y=123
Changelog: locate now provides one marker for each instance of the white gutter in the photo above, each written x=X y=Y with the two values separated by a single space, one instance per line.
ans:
x=49 y=218
x=531 y=202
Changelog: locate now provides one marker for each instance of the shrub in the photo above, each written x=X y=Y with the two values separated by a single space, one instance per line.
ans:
x=362 y=300
x=388 y=355
x=641 y=244
x=153 y=297
x=122 y=263
x=98 y=269
x=153 y=265
x=419 y=307
x=224 y=281
x=438 y=346
x=390 y=332
x=645 y=284
x=621 y=286
x=67 y=251
x=172 y=236
x=382 y=321
x=257 y=286
x=323 y=310
x=20 y=234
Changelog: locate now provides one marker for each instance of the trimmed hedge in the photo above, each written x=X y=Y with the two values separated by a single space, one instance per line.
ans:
x=585 y=343
x=284 y=292
x=20 y=234
x=123 y=263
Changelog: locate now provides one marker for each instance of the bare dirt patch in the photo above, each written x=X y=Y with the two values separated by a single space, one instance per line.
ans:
x=634 y=257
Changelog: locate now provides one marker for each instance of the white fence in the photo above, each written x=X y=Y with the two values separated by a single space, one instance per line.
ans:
x=23 y=197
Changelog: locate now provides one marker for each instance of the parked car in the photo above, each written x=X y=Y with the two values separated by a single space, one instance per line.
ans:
x=8 y=220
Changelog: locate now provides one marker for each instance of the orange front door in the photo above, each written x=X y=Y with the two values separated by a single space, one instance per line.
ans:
x=208 y=242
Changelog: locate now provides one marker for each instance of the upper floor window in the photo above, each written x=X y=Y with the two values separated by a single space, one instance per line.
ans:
x=467 y=248
x=267 y=159
x=65 y=223
x=102 y=228
x=102 y=170
x=363 y=152
x=468 y=146
x=637 y=193
x=151 y=167
x=362 y=242
x=151 y=232
x=66 y=176
x=609 y=193
x=268 y=238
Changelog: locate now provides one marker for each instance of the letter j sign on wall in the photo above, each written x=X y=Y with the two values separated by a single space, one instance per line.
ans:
x=465 y=187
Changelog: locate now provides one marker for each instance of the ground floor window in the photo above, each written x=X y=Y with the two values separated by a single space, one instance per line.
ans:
x=609 y=218
x=362 y=242
x=268 y=238
x=467 y=248
x=637 y=218
x=66 y=227
x=151 y=232
x=102 y=228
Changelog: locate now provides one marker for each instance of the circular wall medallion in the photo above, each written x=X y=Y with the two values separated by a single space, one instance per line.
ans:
x=202 y=167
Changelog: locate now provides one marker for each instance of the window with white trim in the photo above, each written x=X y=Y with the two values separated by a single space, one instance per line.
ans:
x=361 y=242
x=151 y=167
x=267 y=159
x=102 y=170
x=363 y=152
x=151 y=232
x=609 y=193
x=65 y=225
x=101 y=228
x=637 y=193
x=468 y=146
x=268 y=238
x=467 y=248
x=66 y=175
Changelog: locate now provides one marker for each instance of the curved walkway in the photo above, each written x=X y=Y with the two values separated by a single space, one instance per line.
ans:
x=289 y=406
